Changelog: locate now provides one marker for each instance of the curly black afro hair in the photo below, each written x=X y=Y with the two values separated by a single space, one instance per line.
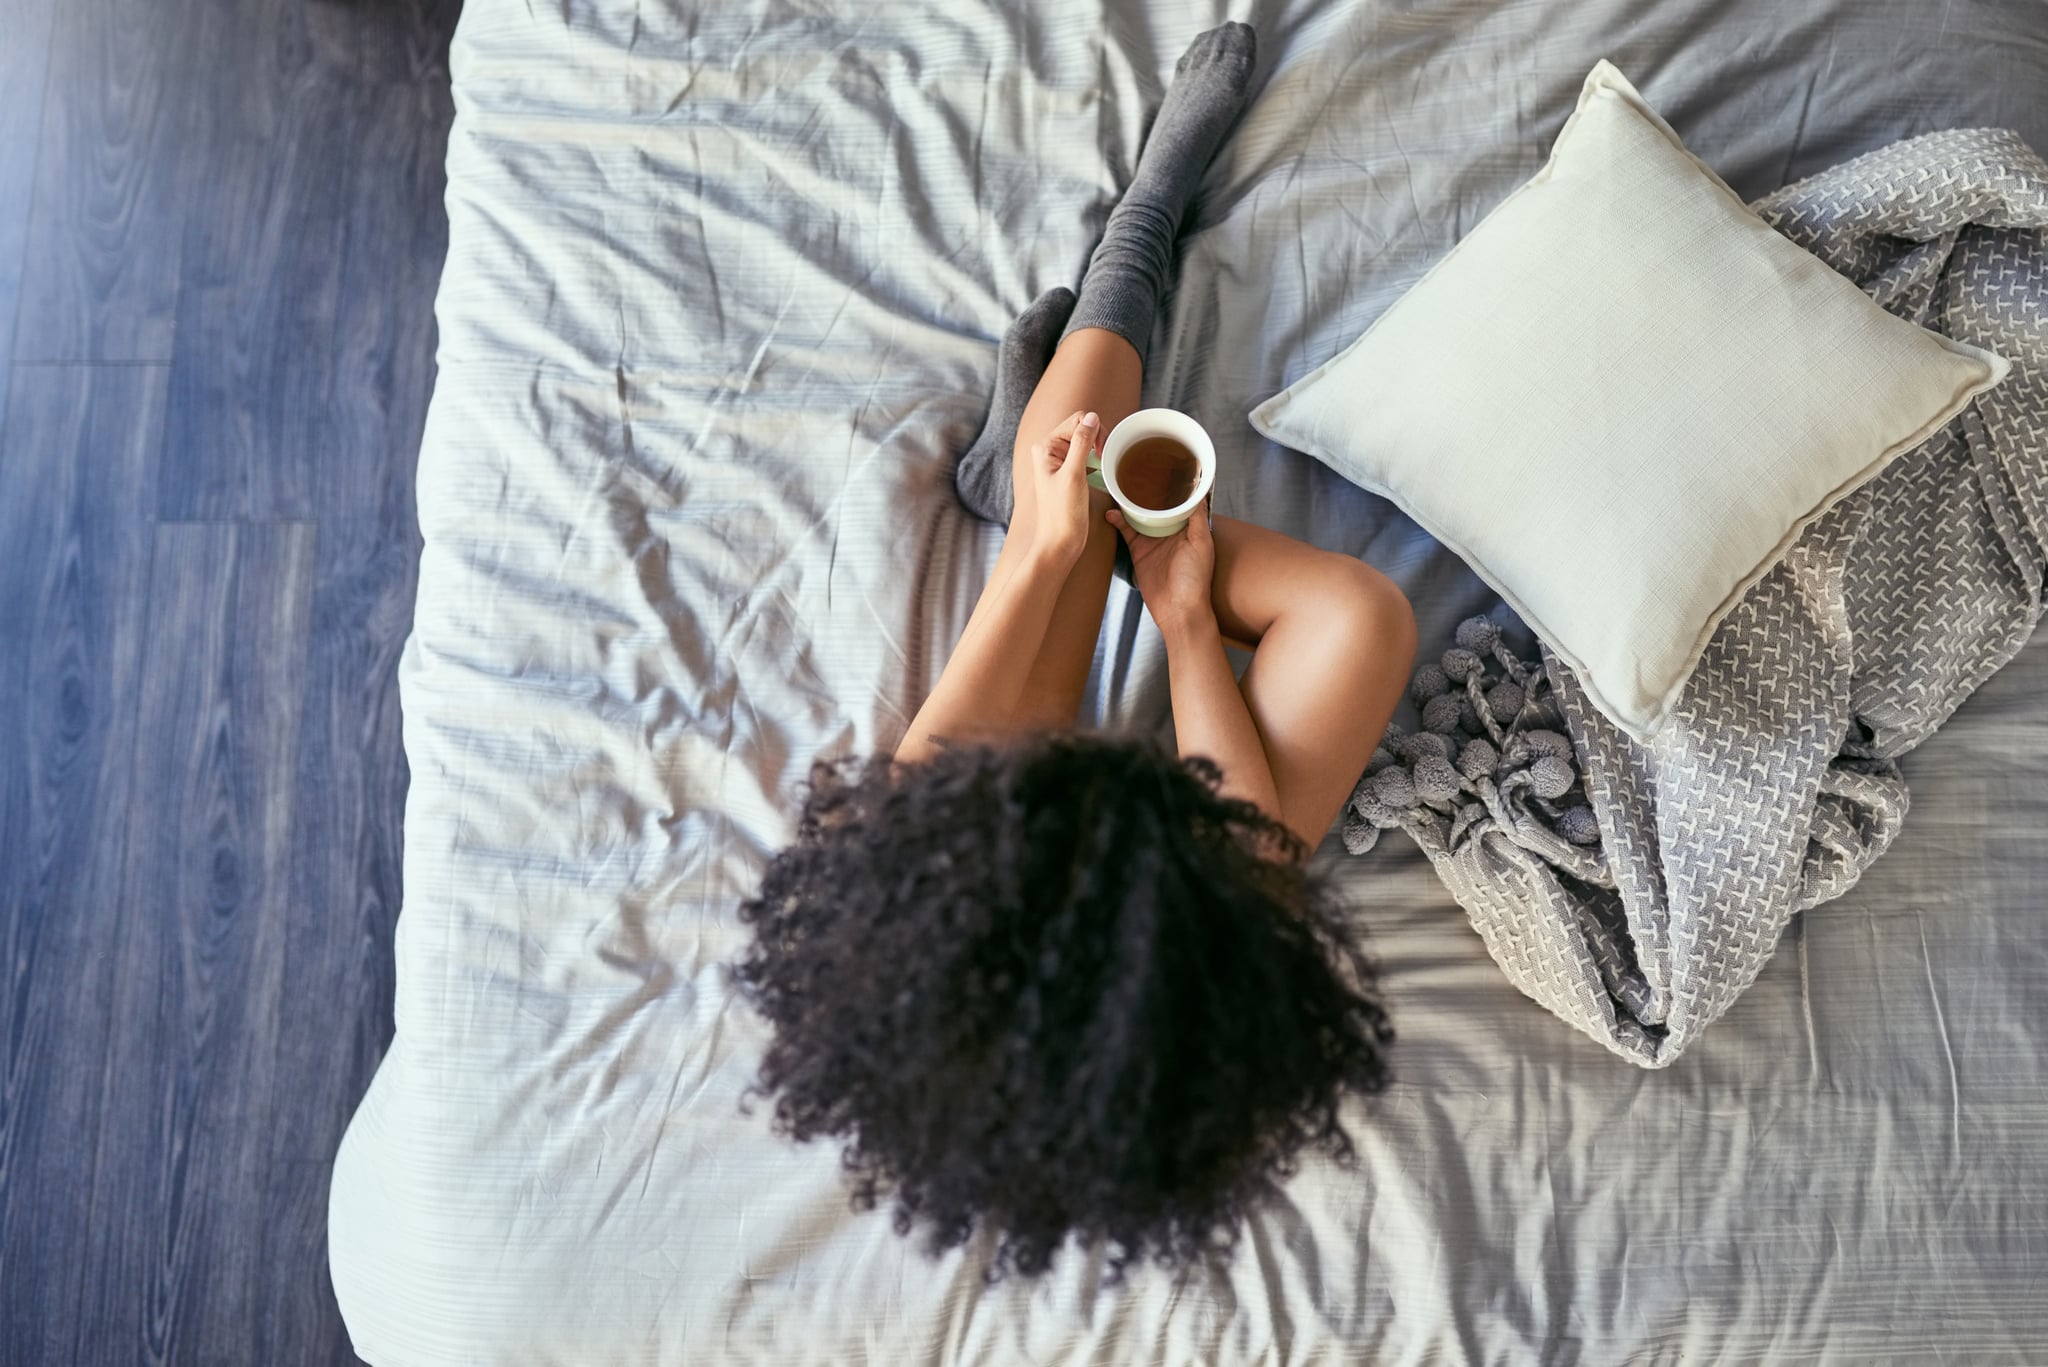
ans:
x=1057 y=988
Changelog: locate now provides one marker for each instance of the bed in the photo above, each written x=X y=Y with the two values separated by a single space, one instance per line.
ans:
x=721 y=300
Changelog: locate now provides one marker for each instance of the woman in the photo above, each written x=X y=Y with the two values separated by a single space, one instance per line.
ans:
x=1055 y=985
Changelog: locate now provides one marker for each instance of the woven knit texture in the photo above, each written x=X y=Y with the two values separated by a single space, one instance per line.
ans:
x=1637 y=889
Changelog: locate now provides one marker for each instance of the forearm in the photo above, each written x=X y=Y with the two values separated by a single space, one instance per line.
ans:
x=1209 y=713
x=982 y=683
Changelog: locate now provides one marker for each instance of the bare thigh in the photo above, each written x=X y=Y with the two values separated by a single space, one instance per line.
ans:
x=1334 y=640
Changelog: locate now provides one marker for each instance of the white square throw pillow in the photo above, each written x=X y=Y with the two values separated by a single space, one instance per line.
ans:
x=1622 y=397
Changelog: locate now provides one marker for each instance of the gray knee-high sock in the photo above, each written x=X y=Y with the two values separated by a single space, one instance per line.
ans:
x=982 y=476
x=1131 y=265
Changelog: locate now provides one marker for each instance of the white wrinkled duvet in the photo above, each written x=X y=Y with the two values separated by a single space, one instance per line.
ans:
x=720 y=303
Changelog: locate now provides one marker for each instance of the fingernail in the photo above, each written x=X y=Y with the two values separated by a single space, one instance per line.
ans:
x=1090 y=421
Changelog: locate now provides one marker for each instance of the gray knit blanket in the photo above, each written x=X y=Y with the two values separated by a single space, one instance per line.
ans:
x=1635 y=890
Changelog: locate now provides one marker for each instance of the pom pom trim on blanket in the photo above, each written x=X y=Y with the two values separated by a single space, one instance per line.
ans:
x=1636 y=889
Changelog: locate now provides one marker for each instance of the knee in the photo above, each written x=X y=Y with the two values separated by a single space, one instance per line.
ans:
x=1370 y=612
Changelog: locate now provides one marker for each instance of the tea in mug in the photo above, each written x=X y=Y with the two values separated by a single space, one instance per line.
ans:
x=1158 y=473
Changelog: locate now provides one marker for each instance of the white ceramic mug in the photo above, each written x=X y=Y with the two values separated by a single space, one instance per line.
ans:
x=1155 y=422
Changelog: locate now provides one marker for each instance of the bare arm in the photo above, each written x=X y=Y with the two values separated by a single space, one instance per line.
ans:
x=1209 y=713
x=978 y=692
x=982 y=682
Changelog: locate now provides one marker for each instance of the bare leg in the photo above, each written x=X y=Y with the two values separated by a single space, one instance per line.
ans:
x=1333 y=638
x=1101 y=359
x=1334 y=642
x=1097 y=371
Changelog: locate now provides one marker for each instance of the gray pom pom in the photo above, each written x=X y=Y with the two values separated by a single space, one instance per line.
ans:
x=1441 y=714
x=1551 y=777
x=1370 y=808
x=1435 y=779
x=1477 y=635
x=1578 y=825
x=1394 y=788
x=1504 y=700
x=1360 y=834
x=1477 y=759
x=1427 y=683
x=1380 y=759
x=1548 y=743
x=1421 y=745
x=1457 y=664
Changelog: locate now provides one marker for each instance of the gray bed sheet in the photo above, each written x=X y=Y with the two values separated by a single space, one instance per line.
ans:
x=721 y=299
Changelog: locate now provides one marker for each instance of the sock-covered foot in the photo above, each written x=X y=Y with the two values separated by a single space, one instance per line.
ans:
x=982 y=476
x=1134 y=260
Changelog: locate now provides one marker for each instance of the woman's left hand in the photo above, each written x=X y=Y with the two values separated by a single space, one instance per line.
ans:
x=1174 y=574
x=1059 y=476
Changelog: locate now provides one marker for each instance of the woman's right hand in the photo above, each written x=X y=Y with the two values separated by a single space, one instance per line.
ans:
x=1059 y=474
x=1173 y=573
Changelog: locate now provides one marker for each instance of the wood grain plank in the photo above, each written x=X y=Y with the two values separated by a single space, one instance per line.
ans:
x=260 y=276
x=112 y=184
x=176 y=1270
x=385 y=335
x=166 y=1126
x=401 y=42
x=304 y=1324
x=24 y=62
x=330 y=248
x=352 y=779
x=345 y=892
x=77 y=490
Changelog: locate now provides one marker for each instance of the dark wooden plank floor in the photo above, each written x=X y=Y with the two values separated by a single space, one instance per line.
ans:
x=24 y=65
x=220 y=230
